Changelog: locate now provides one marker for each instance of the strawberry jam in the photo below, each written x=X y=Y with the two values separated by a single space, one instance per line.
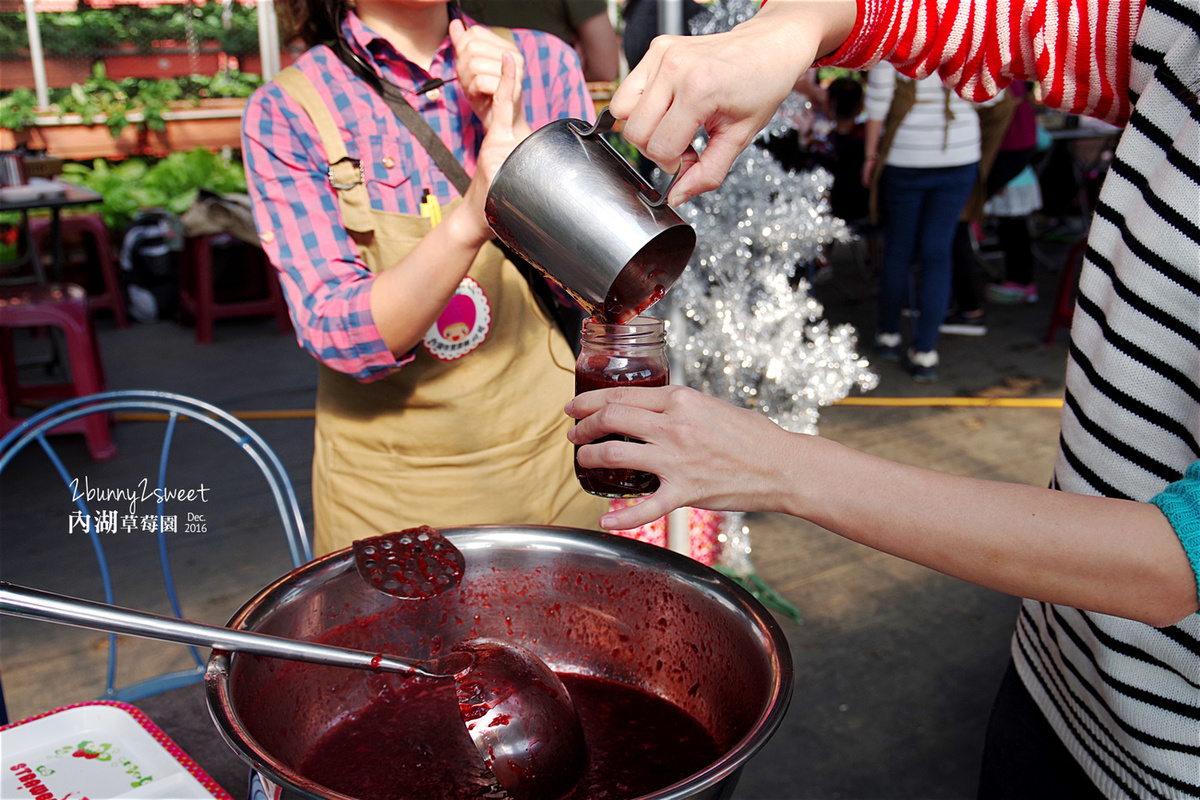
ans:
x=410 y=743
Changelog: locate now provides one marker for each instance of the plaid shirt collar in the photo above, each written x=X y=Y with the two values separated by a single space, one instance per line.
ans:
x=390 y=64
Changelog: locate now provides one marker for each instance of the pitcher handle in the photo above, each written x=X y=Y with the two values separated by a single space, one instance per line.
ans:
x=604 y=123
x=662 y=193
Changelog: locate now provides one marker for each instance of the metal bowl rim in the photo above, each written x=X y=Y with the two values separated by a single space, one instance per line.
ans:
x=253 y=611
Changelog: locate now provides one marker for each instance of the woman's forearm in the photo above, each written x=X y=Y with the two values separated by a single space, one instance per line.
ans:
x=1112 y=556
x=407 y=298
x=979 y=46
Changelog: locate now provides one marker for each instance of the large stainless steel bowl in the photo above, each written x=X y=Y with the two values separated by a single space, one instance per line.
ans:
x=587 y=603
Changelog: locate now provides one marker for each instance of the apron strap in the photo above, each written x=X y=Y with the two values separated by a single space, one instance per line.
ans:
x=345 y=173
x=567 y=319
x=412 y=119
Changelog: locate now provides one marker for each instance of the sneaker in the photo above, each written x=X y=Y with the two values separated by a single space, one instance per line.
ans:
x=1009 y=293
x=960 y=325
x=887 y=346
x=923 y=366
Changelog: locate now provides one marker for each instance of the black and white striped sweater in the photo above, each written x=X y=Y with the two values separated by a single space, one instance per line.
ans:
x=1123 y=696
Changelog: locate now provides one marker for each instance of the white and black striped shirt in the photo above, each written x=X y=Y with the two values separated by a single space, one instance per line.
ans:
x=1123 y=696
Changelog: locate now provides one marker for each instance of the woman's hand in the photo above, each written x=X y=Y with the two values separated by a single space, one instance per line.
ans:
x=697 y=445
x=868 y=168
x=505 y=132
x=478 y=51
x=1102 y=554
x=727 y=83
x=407 y=299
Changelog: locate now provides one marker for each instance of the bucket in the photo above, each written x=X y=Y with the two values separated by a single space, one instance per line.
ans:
x=589 y=604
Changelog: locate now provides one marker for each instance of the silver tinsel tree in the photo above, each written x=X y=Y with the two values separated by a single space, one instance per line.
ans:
x=751 y=333
x=749 y=336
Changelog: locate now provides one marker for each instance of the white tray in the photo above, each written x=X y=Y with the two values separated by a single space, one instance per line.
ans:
x=36 y=189
x=104 y=749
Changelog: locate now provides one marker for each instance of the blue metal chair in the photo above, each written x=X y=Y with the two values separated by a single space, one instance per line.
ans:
x=171 y=407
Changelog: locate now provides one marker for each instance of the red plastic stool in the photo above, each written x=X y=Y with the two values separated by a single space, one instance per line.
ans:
x=92 y=236
x=63 y=306
x=1064 y=300
x=198 y=293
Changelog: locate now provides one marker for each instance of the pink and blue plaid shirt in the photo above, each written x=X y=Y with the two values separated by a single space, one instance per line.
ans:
x=325 y=280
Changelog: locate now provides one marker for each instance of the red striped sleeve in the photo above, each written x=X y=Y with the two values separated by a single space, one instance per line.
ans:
x=1079 y=50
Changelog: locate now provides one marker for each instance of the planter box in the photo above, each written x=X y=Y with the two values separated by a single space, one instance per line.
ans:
x=214 y=124
x=168 y=59
x=17 y=72
x=252 y=62
x=73 y=141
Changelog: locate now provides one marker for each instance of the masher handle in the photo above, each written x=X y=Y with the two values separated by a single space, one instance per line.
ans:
x=21 y=601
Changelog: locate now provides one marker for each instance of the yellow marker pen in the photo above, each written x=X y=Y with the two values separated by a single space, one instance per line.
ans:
x=431 y=208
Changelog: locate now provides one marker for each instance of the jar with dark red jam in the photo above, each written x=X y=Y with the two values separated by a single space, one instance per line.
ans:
x=632 y=353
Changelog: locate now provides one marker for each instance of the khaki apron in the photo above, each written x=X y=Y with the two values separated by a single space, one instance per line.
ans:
x=472 y=431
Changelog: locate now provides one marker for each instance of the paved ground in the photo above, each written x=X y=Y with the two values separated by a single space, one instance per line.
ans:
x=895 y=665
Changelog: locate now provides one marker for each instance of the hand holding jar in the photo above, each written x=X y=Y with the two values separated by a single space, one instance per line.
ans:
x=632 y=353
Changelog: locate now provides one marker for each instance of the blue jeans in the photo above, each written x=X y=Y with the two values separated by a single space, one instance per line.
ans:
x=920 y=208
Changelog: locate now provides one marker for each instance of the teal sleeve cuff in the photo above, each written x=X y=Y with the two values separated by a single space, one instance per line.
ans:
x=1180 y=502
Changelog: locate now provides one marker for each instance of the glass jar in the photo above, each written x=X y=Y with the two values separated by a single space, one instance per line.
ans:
x=632 y=353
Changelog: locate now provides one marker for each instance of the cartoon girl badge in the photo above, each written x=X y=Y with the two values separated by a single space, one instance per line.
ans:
x=463 y=325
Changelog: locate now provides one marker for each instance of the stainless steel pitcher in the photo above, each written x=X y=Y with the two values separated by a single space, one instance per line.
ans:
x=568 y=203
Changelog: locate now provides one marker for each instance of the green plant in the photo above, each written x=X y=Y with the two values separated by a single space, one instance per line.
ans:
x=95 y=97
x=116 y=103
x=85 y=32
x=70 y=33
x=226 y=83
x=10 y=232
x=120 y=184
x=112 y=102
x=101 y=99
x=144 y=26
x=64 y=33
x=241 y=35
x=172 y=182
x=13 y=37
x=152 y=98
x=17 y=109
x=827 y=74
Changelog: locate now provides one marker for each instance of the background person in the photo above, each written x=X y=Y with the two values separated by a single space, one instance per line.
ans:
x=848 y=198
x=1015 y=131
x=922 y=149
x=1101 y=699
x=1014 y=186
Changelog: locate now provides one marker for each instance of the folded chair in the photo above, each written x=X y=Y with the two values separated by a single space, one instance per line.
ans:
x=69 y=462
